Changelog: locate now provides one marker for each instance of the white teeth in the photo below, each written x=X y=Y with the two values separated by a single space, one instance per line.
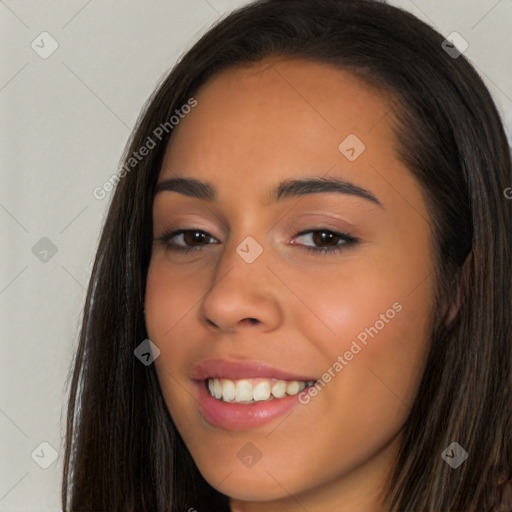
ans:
x=262 y=391
x=279 y=389
x=228 y=390
x=244 y=391
x=294 y=387
x=254 y=390
x=217 y=388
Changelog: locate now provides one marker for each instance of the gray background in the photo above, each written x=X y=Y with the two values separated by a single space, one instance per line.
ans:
x=64 y=123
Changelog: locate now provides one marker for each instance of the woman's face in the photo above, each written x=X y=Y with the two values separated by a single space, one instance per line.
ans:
x=254 y=311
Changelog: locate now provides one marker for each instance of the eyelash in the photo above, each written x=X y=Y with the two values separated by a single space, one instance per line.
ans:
x=349 y=241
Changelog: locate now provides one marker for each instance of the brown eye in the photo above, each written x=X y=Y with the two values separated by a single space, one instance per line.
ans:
x=331 y=241
x=190 y=237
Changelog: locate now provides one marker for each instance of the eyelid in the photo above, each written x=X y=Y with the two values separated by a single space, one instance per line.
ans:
x=294 y=229
x=331 y=218
x=317 y=222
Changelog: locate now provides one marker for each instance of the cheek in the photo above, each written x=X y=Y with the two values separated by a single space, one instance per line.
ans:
x=373 y=356
x=383 y=301
x=170 y=296
x=371 y=324
x=171 y=299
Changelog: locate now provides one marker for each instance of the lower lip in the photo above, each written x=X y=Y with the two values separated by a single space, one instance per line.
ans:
x=238 y=416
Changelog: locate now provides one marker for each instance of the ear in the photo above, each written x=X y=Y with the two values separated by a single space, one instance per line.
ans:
x=461 y=290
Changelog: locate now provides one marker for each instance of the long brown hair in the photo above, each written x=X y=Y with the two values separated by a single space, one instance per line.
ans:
x=123 y=451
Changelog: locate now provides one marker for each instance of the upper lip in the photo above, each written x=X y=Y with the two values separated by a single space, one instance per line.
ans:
x=229 y=369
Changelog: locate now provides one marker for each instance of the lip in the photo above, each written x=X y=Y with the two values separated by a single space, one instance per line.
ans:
x=240 y=416
x=228 y=369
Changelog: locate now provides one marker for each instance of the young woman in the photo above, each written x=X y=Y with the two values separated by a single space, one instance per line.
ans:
x=301 y=297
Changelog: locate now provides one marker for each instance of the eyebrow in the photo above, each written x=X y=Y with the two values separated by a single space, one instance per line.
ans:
x=289 y=188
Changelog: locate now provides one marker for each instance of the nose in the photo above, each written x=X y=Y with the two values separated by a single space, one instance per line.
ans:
x=243 y=293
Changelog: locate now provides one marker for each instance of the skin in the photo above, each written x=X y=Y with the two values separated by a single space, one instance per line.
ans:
x=253 y=127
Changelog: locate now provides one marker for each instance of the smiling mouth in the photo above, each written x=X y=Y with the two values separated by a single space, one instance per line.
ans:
x=249 y=391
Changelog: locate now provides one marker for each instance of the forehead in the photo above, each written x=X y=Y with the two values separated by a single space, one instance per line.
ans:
x=325 y=97
x=279 y=118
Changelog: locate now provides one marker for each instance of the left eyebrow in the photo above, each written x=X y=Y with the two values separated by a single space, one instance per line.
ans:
x=289 y=188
